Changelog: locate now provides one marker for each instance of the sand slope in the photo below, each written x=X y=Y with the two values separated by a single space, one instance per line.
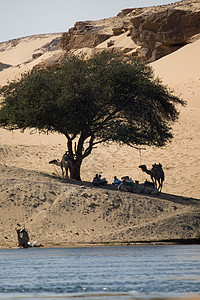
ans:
x=19 y=54
x=59 y=213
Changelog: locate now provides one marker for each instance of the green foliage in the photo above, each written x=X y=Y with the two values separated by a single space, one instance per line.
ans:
x=104 y=98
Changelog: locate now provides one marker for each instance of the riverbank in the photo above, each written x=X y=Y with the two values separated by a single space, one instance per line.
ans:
x=62 y=213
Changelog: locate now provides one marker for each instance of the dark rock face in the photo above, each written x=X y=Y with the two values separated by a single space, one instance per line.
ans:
x=4 y=66
x=164 y=31
x=52 y=46
x=75 y=41
x=83 y=34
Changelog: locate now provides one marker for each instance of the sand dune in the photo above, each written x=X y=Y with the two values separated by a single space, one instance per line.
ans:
x=20 y=52
x=180 y=66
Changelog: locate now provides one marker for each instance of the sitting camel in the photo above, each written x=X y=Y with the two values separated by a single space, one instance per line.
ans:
x=156 y=173
x=138 y=188
x=65 y=163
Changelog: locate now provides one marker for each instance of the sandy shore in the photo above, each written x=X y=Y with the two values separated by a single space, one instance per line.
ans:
x=58 y=212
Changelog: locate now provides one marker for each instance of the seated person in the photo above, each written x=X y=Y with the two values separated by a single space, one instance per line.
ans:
x=102 y=180
x=117 y=181
x=23 y=238
x=96 y=180
x=127 y=181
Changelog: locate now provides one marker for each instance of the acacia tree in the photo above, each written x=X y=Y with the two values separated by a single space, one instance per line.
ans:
x=104 y=98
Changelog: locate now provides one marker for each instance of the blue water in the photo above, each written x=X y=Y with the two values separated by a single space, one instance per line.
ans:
x=129 y=272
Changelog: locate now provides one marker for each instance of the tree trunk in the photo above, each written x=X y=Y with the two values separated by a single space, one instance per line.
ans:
x=75 y=171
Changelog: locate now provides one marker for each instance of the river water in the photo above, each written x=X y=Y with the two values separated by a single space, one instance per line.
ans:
x=130 y=272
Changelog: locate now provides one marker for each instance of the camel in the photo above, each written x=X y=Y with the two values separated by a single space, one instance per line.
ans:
x=156 y=173
x=138 y=188
x=65 y=163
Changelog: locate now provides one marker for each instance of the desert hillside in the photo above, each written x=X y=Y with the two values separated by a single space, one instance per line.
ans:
x=21 y=55
x=56 y=211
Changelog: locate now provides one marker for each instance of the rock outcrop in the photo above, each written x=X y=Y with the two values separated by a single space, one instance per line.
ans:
x=162 y=30
x=147 y=32
x=87 y=34
x=156 y=31
x=77 y=41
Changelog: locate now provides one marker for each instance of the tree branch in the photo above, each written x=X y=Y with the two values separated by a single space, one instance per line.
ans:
x=111 y=115
x=137 y=148
x=88 y=150
x=69 y=146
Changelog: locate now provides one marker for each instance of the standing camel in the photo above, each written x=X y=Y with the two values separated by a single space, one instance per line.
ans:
x=156 y=173
x=65 y=163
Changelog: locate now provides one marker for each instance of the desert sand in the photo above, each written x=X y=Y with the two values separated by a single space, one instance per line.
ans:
x=60 y=212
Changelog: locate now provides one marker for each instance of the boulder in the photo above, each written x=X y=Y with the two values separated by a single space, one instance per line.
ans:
x=118 y=30
x=125 y=12
x=36 y=55
x=110 y=43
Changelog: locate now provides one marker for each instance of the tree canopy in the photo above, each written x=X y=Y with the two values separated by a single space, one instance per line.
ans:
x=104 y=98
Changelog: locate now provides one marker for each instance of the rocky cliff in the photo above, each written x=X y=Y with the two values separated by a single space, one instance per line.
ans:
x=155 y=31
x=162 y=30
x=147 y=32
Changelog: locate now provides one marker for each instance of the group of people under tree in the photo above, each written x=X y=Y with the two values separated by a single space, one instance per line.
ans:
x=156 y=173
x=97 y=180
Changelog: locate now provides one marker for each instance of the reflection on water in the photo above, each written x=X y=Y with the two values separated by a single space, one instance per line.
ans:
x=100 y=272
